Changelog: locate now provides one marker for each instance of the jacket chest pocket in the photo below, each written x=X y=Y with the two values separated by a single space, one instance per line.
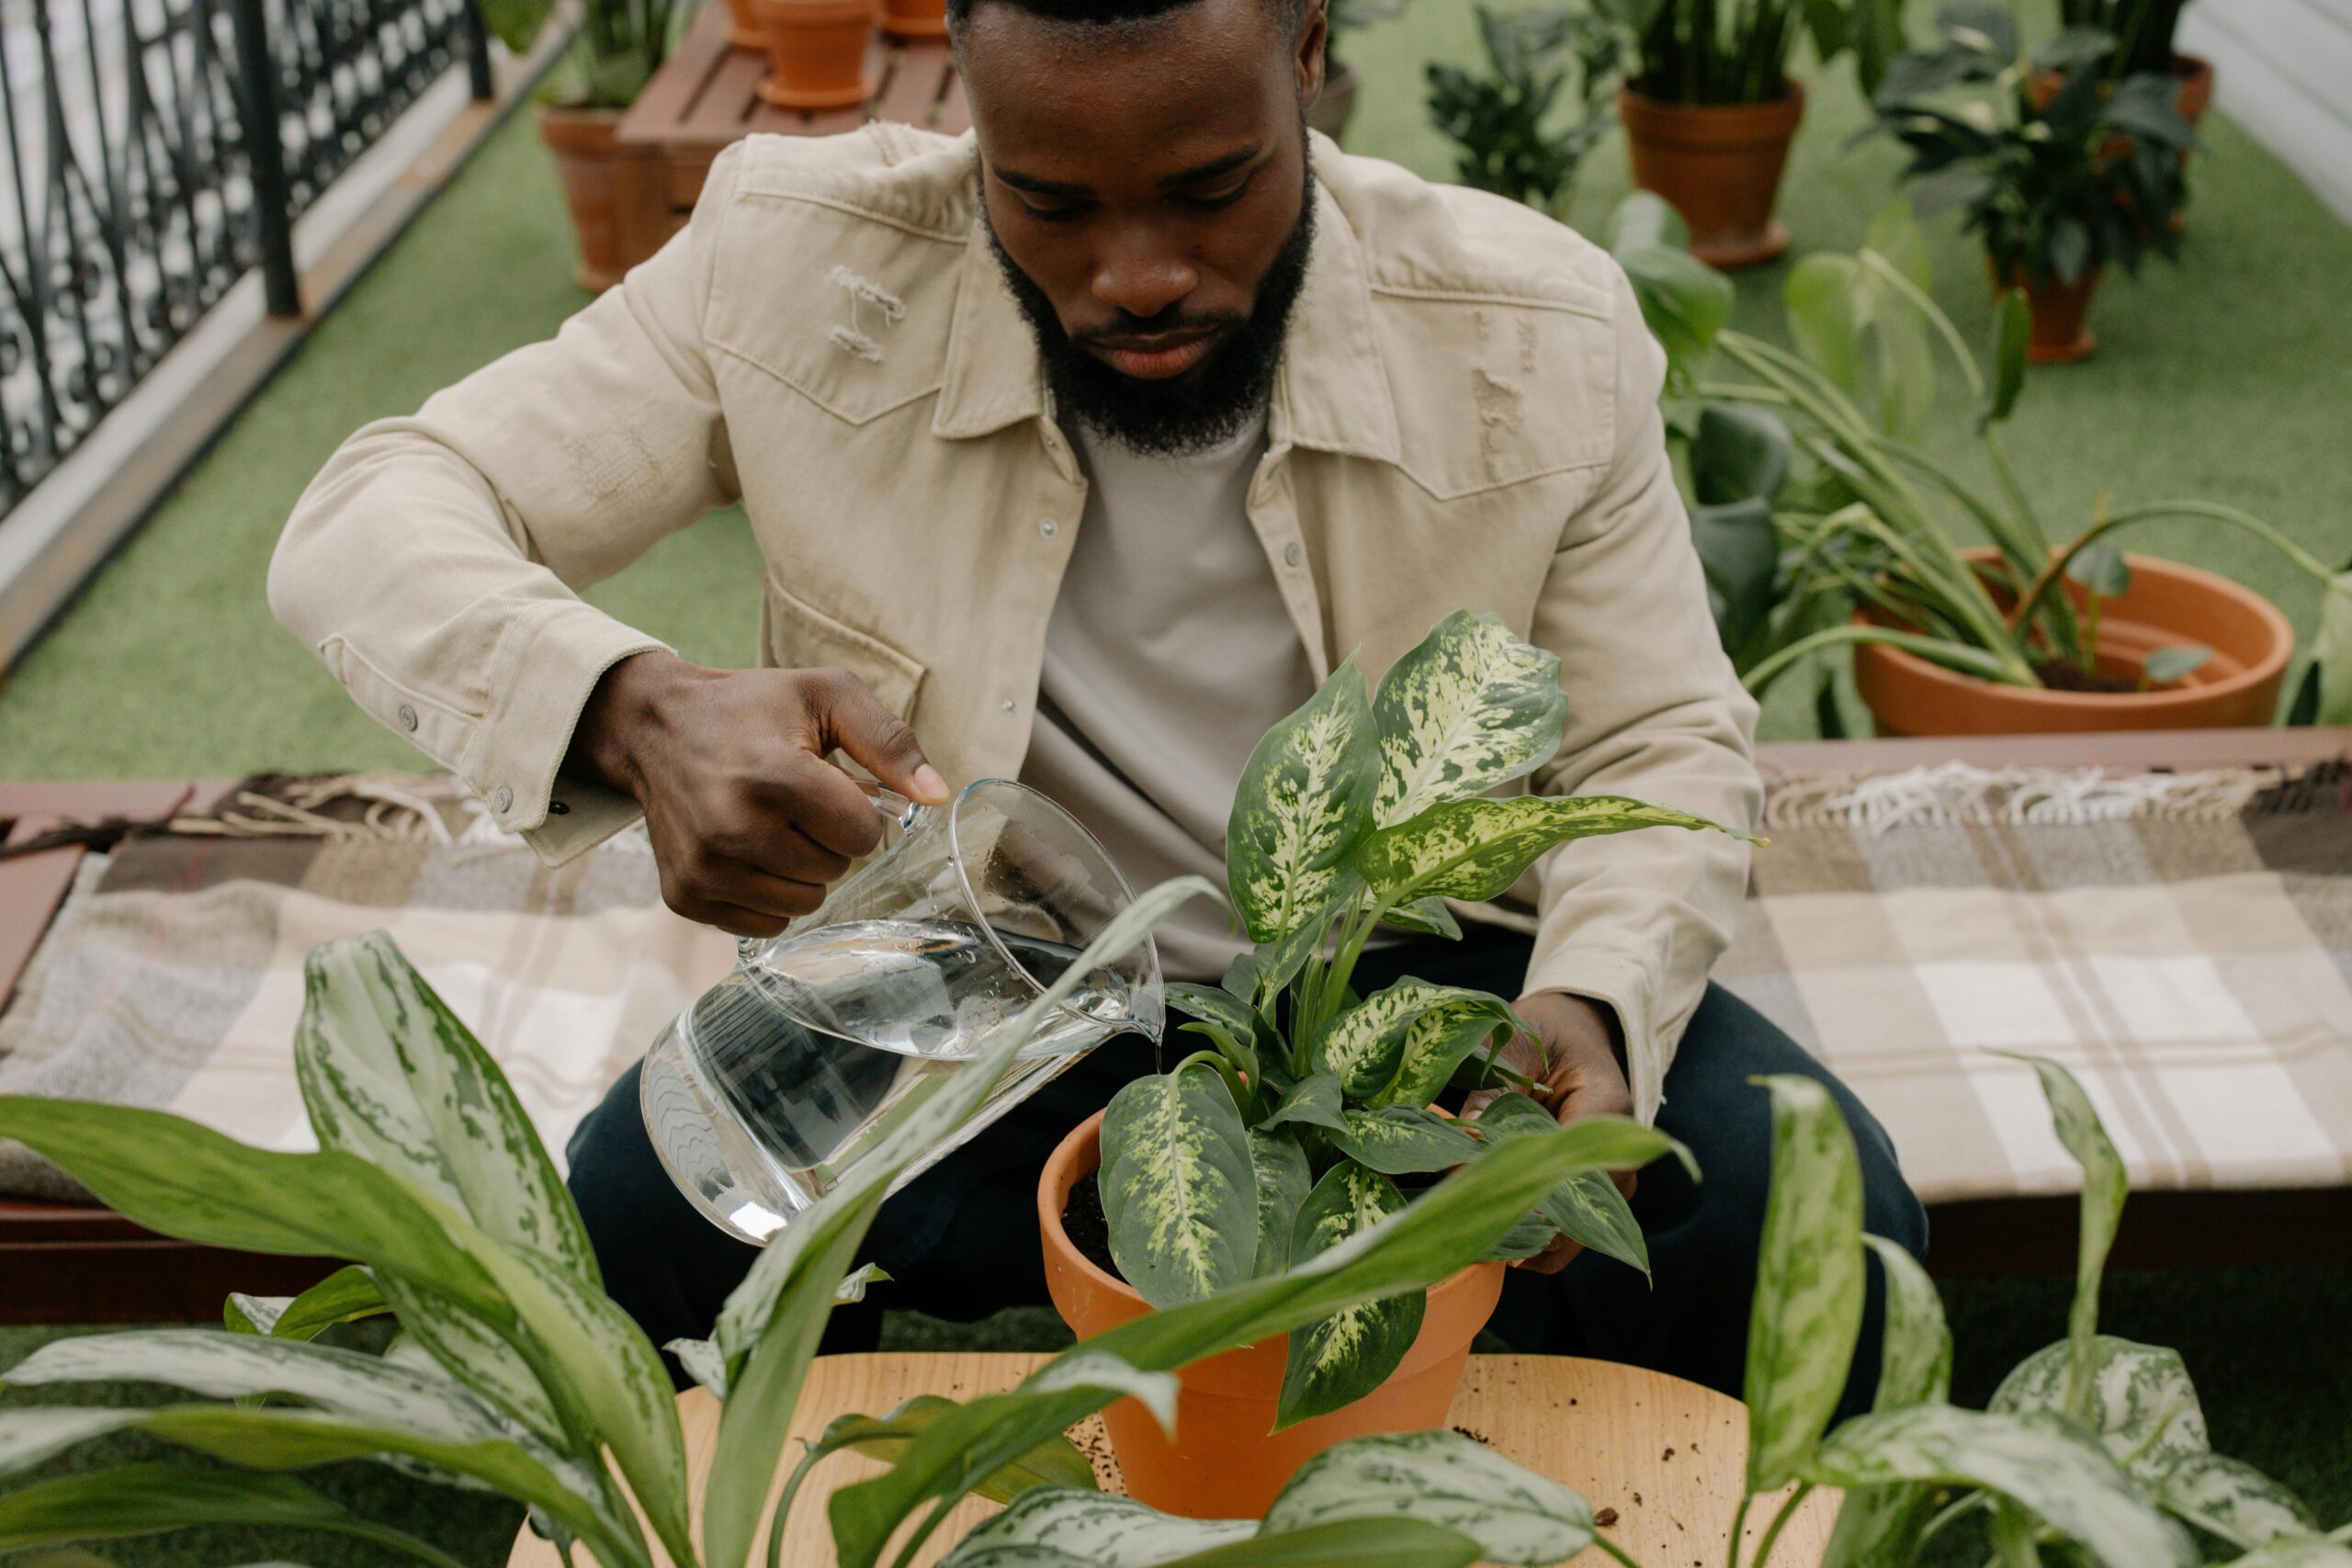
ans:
x=796 y=634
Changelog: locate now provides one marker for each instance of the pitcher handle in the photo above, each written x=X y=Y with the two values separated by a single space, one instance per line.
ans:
x=891 y=806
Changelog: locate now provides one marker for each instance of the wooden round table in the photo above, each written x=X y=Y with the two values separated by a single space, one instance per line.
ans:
x=1660 y=1459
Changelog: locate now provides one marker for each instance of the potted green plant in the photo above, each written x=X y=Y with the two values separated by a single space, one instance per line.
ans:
x=615 y=195
x=1331 y=112
x=1308 y=1115
x=2144 y=32
x=2035 y=631
x=1710 y=107
x=514 y=1371
x=1502 y=121
x=2058 y=169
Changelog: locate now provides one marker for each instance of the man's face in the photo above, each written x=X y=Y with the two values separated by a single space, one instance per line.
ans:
x=1147 y=185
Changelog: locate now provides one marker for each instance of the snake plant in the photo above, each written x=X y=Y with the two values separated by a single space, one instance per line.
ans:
x=1286 y=1135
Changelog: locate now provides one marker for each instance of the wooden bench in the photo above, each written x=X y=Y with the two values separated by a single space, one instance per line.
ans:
x=64 y=1263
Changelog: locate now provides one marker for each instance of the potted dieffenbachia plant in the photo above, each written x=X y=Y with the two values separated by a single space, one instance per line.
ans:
x=515 y=1372
x=1304 y=1119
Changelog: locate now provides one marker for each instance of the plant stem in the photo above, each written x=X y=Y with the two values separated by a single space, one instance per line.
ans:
x=2302 y=559
x=1780 y=1520
x=1738 y=1523
x=1966 y=1503
x=1613 y=1549
x=1950 y=655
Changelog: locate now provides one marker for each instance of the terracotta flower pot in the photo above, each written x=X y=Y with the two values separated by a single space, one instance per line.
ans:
x=2060 y=335
x=816 y=52
x=1719 y=165
x=743 y=28
x=2167 y=606
x=2196 y=74
x=615 y=197
x=1331 y=112
x=915 y=18
x=1226 y=1461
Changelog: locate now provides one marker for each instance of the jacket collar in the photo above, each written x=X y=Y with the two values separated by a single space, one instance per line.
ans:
x=1331 y=392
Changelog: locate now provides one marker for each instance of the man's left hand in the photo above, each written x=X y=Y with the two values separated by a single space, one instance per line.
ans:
x=1578 y=1069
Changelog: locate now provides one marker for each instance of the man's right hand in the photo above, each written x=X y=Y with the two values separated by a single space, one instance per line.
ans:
x=748 y=821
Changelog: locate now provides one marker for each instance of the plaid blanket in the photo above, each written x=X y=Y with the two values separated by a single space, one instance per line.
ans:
x=2182 y=941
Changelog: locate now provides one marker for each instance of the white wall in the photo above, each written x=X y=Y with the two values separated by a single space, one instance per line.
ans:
x=2283 y=70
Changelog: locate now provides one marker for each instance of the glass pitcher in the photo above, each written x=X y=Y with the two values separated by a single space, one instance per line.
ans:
x=776 y=1081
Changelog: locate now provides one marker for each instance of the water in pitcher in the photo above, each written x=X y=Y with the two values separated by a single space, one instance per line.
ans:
x=763 y=1092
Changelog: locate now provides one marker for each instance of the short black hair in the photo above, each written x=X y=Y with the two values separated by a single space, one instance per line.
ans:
x=1107 y=13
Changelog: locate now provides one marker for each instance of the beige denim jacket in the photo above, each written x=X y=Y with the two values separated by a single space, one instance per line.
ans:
x=1465 y=417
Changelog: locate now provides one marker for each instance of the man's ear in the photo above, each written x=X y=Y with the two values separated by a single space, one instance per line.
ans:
x=1313 y=32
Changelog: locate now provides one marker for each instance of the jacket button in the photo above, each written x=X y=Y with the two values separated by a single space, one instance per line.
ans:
x=1007 y=704
x=1047 y=527
x=502 y=800
x=408 y=719
x=1291 y=554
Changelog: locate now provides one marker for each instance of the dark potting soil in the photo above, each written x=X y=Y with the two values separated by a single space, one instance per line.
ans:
x=1089 y=1231
x=2064 y=675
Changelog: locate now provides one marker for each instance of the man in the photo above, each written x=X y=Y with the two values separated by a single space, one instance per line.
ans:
x=1083 y=449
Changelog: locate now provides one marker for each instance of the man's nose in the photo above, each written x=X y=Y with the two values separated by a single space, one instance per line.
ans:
x=1141 y=276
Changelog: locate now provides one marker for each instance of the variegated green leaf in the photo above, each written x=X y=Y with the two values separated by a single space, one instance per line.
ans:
x=346 y=1294
x=1471 y=707
x=2139 y=1401
x=1364 y=1046
x=1404 y=1140
x=389 y=1074
x=1212 y=1004
x=2044 y=1463
x=1808 y=1307
x=1525 y=1239
x=1473 y=849
x=2104 y=1186
x=1054 y=1466
x=1340 y=1360
x=1088 y=1368
x=2297 y=1551
x=144 y=1499
x=2228 y=1499
x=1349 y=1543
x=1096 y=1528
x=1177 y=1186
x=1426 y=915
x=467 y=1347
x=1444 y=1479
x=1285 y=1178
x=1438 y=1042
x=1313 y=1102
x=1880 y=1526
x=1586 y=1208
x=1914 y=1365
x=1303 y=805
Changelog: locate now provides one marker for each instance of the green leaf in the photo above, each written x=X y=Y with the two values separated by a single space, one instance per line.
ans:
x=1312 y=1102
x=1404 y=1140
x=1915 y=1364
x=1394 y=1543
x=1472 y=707
x=2012 y=331
x=1213 y=1004
x=1450 y=1224
x=768 y=1329
x=1473 y=850
x=516 y=23
x=1738 y=453
x=2288 y=1551
x=1363 y=1047
x=1427 y=915
x=1177 y=1185
x=1285 y=1178
x=2099 y=567
x=2105 y=1187
x=1098 y=1528
x=1645 y=219
x=144 y=1499
x=344 y=1296
x=1437 y=1042
x=1443 y=1479
x=1880 y=1526
x=1809 y=1280
x=1586 y=1208
x=2332 y=653
x=1337 y=1361
x=1303 y=805
x=1054 y=1468
x=2233 y=1500
x=2142 y=1403
x=1819 y=303
x=2165 y=665
x=1685 y=303
x=2044 y=1463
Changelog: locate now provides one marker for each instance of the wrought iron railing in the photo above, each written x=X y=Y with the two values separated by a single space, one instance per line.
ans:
x=158 y=148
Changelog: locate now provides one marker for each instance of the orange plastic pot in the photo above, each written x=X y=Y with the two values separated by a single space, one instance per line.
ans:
x=915 y=18
x=816 y=52
x=1718 y=164
x=2061 y=334
x=2167 y=606
x=1226 y=1461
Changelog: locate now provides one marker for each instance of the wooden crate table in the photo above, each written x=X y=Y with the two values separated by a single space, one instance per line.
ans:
x=705 y=97
x=1662 y=1461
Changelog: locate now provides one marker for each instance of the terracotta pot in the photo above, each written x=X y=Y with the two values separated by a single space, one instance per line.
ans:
x=743 y=28
x=915 y=18
x=816 y=52
x=2167 y=606
x=1225 y=1461
x=2196 y=74
x=1331 y=112
x=2060 y=336
x=615 y=197
x=1719 y=165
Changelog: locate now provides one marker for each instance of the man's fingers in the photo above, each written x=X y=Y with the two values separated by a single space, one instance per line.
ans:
x=826 y=806
x=795 y=856
x=877 y=739
x=743 y=886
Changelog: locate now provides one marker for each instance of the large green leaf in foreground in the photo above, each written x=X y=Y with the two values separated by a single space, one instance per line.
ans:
x=1443 y=1478
x=1473 y=850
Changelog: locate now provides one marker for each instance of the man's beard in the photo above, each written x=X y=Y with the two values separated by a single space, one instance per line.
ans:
x=1193 y=412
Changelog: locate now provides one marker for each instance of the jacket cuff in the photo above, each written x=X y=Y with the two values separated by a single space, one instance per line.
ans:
x=542 y=673
x=1625 y=986
x=582 y=814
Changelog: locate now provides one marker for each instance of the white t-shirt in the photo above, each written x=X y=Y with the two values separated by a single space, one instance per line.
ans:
x=1168 y=654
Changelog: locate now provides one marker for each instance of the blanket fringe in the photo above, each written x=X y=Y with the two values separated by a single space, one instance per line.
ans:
x=1956 y=794
x=397 y=808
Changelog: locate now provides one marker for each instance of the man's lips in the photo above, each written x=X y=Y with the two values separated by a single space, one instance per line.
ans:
x=1158 y=357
